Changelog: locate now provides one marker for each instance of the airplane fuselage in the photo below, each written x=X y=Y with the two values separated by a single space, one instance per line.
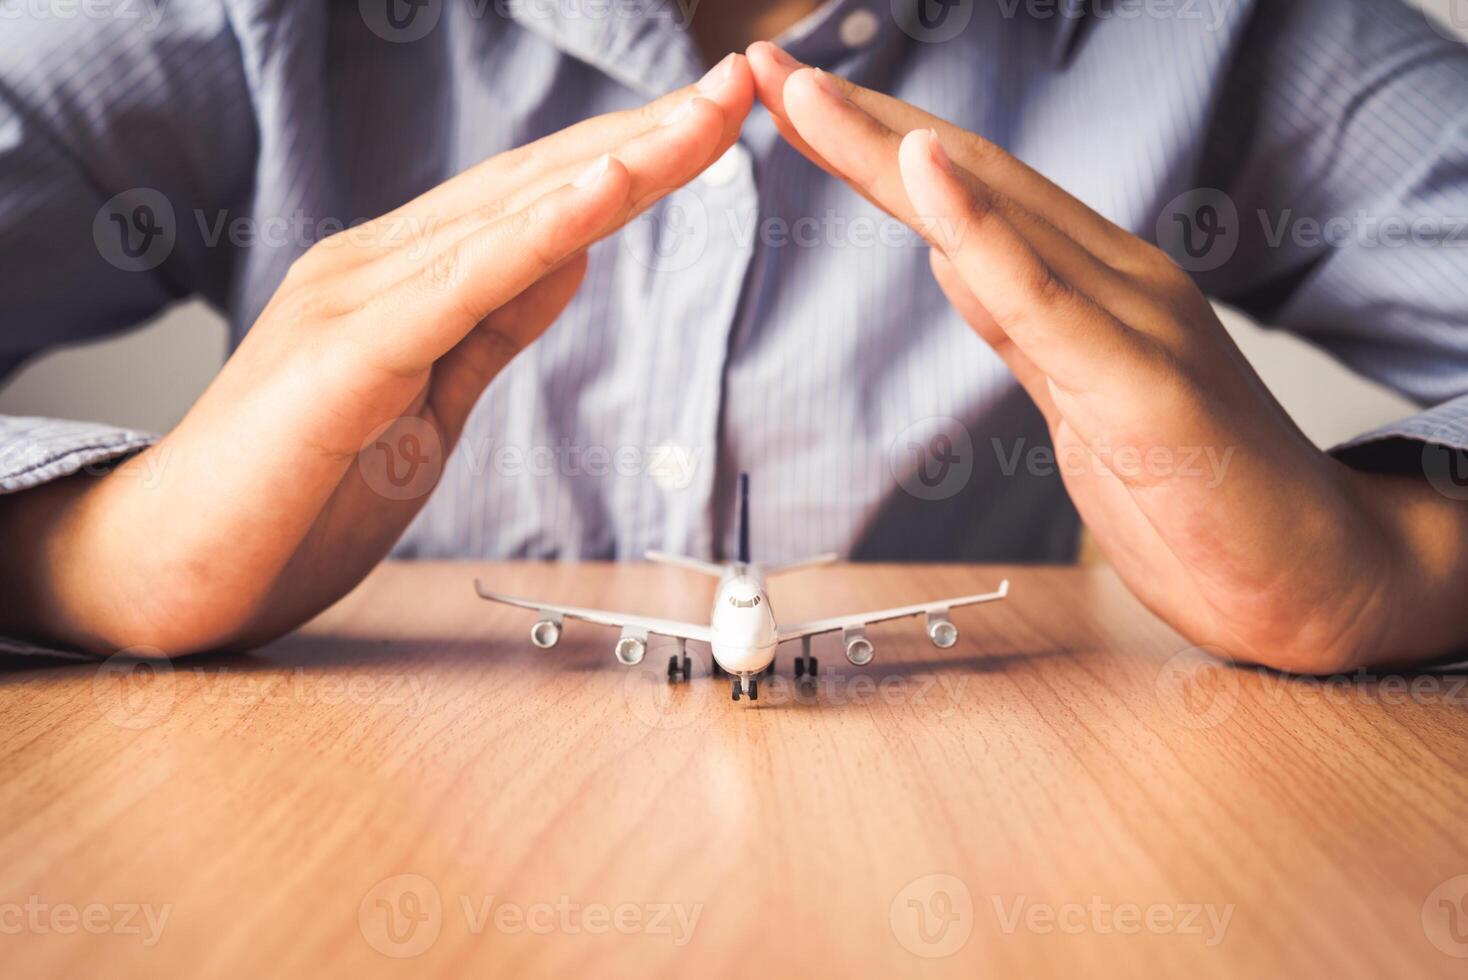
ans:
x=742 y=622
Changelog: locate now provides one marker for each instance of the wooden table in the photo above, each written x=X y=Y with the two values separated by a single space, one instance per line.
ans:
x=407 y=787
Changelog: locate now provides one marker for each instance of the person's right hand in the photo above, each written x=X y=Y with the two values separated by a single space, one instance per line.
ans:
x=254 y=513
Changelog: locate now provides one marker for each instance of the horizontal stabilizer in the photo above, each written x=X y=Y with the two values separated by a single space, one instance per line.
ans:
x=775 y=568
x=681 y=561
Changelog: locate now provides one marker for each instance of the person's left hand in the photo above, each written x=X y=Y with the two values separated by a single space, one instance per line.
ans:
x=1291 y=560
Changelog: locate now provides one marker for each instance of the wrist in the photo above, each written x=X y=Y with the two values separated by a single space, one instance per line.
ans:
x=1422 y=564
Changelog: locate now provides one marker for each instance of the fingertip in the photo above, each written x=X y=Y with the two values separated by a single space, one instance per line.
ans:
x=697 y=118
x=740 y=69
x=800 y=93
x=770 y=67
x=922 y=159
x=617 y=171
x=705 y=113
x=729 y=84
x=913 y=150
x=606 y=180
x=760 y=53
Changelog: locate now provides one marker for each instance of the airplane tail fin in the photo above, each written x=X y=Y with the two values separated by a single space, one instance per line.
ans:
x=744 y=518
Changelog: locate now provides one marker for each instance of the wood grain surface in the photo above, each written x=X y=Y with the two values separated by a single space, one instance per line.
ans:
x=407 y=787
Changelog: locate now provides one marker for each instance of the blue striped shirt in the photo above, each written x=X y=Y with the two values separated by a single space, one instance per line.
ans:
x=1307 y=160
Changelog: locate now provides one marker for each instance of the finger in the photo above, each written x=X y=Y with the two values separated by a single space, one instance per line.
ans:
x=414 y=322
x=535 y=167
x=1031 y=378
x=865 y=151
x=461 y=375
x=1067 y=336
x=657 y=161
x=771 y=66
x=774 y=69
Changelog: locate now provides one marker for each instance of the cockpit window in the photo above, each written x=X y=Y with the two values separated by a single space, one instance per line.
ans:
x=744 y=603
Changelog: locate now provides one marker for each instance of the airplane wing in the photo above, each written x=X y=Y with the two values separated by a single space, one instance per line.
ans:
x=858 y=620
x=662 y=627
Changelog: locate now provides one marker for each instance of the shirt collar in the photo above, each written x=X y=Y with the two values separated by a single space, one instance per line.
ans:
x=647 y=45
x=644 y=44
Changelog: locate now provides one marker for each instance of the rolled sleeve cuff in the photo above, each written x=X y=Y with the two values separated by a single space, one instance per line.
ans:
x=34 y=451
x=1433 y=443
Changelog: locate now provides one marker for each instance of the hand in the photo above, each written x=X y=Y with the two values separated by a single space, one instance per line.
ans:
x=1292 y=559
x=252 y=515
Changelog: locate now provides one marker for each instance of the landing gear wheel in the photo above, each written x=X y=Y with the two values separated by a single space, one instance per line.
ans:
x=805 y=664
x=735 y=695
x=686 y=667
x=754 y=689
x=677 y=670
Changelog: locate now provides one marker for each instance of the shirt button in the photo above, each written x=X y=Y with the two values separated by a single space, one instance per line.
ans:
x=671 y=465
x=859 y=27
x=726 y=168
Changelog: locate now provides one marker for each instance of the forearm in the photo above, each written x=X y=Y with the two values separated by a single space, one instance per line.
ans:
x=128 y=558
x=40 y=568
x=167 y=557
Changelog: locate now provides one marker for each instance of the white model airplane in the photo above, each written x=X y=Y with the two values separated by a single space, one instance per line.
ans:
x=742 y=632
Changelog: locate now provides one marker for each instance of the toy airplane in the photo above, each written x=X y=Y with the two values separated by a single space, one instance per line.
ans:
x=742 y=632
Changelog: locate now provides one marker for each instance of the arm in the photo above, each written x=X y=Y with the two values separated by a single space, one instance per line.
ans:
x=285 y=483
x=1293 y=559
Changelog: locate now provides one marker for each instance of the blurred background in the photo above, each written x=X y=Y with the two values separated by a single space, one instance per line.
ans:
x=149 y=377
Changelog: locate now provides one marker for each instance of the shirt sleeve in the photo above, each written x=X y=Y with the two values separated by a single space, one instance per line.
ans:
x=124 y=141
x=1341 y=142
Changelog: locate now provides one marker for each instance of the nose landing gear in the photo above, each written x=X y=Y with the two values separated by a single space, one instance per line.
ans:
x=753 y=688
